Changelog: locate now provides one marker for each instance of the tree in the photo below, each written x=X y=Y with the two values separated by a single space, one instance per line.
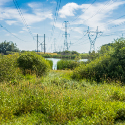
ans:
x=8 y=46
x=74 y=52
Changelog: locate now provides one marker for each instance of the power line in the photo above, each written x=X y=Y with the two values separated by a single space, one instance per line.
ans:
x=85 y=10
x=56 y=15
x=22 y=17
x=99 y=11
x=11 y=33
x=55 y=19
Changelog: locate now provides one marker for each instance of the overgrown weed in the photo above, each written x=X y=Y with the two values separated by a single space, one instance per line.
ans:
x=57 y=99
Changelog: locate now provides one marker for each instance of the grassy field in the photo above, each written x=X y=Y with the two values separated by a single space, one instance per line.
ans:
x=57 y=100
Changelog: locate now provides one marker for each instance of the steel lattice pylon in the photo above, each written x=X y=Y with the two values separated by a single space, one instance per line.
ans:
x=92 y=42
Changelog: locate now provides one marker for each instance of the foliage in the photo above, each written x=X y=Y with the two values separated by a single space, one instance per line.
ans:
x=67 y=64
x=84 y=56
x=34 y=63
x=93 y=55
x=106 y=48
x=66 y=52
x=50 y=62
x=8 y=46
x=74 y=52
x=57 y=100
x=109 y=66
x=8 y=68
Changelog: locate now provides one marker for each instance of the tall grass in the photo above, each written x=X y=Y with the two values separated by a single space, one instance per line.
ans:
x=56 y=99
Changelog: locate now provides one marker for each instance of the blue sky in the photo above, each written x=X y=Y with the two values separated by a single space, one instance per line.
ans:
x=48 y=16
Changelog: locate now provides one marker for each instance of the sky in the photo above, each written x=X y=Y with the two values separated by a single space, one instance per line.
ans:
x=22 y=20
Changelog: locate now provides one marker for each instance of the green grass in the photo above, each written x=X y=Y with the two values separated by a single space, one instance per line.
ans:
x=57 y=99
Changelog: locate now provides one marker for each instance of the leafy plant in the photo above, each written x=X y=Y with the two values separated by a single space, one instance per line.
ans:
x=67 y=64
x=34 y=63
x=108 y=66
x=9 y=70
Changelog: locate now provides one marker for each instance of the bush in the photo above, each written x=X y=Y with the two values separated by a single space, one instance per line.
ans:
x=8 y=68
x=50 y=62
x=109 y=66
x=34 y=63
x=94 y=70
x=67 y=64
x=120 y=114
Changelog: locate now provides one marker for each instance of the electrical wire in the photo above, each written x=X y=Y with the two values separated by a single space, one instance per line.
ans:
x=22 y=17
x=55 y=19
x=12 y=33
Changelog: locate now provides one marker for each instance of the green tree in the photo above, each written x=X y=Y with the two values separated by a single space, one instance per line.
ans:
x=74 y=52
x=8 y=46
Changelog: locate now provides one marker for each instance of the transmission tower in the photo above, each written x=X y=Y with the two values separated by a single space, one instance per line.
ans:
x=66 y=47
x=92 y=42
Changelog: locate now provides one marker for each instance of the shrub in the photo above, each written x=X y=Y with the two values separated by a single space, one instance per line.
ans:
x=120 y=114
x=8 y=68
x=34 y=63
x=67 y=64
x=50 y=62
x=93 y=70
x=109 y=66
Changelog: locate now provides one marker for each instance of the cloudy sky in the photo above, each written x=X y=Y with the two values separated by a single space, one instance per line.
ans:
x=22 y=20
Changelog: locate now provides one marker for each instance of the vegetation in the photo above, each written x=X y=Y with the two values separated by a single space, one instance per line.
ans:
x=56 y=99
x=108 y=66
x=67 y=64
x=50 y=62
x=33 y=63
x=65 y=55
x=7 y=47
x=67 y=97
x=66 y=52
x=9 y=70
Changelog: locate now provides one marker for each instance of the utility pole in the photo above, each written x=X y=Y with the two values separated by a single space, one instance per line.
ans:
x=44 y=43
x=92 y=42
x=38 y=43
x=66 y=34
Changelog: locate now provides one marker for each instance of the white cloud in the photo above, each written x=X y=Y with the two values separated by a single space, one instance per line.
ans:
x=35 y=5
x=68 y=10
x=95 y=15
x=53 y=2
x=99 y=18
x=10 y=22
x=2 y=2
x=11 y=35
x=59 y=25
x=21 y=31
x=119 y=21
x=7 y=13
x=77 y=29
